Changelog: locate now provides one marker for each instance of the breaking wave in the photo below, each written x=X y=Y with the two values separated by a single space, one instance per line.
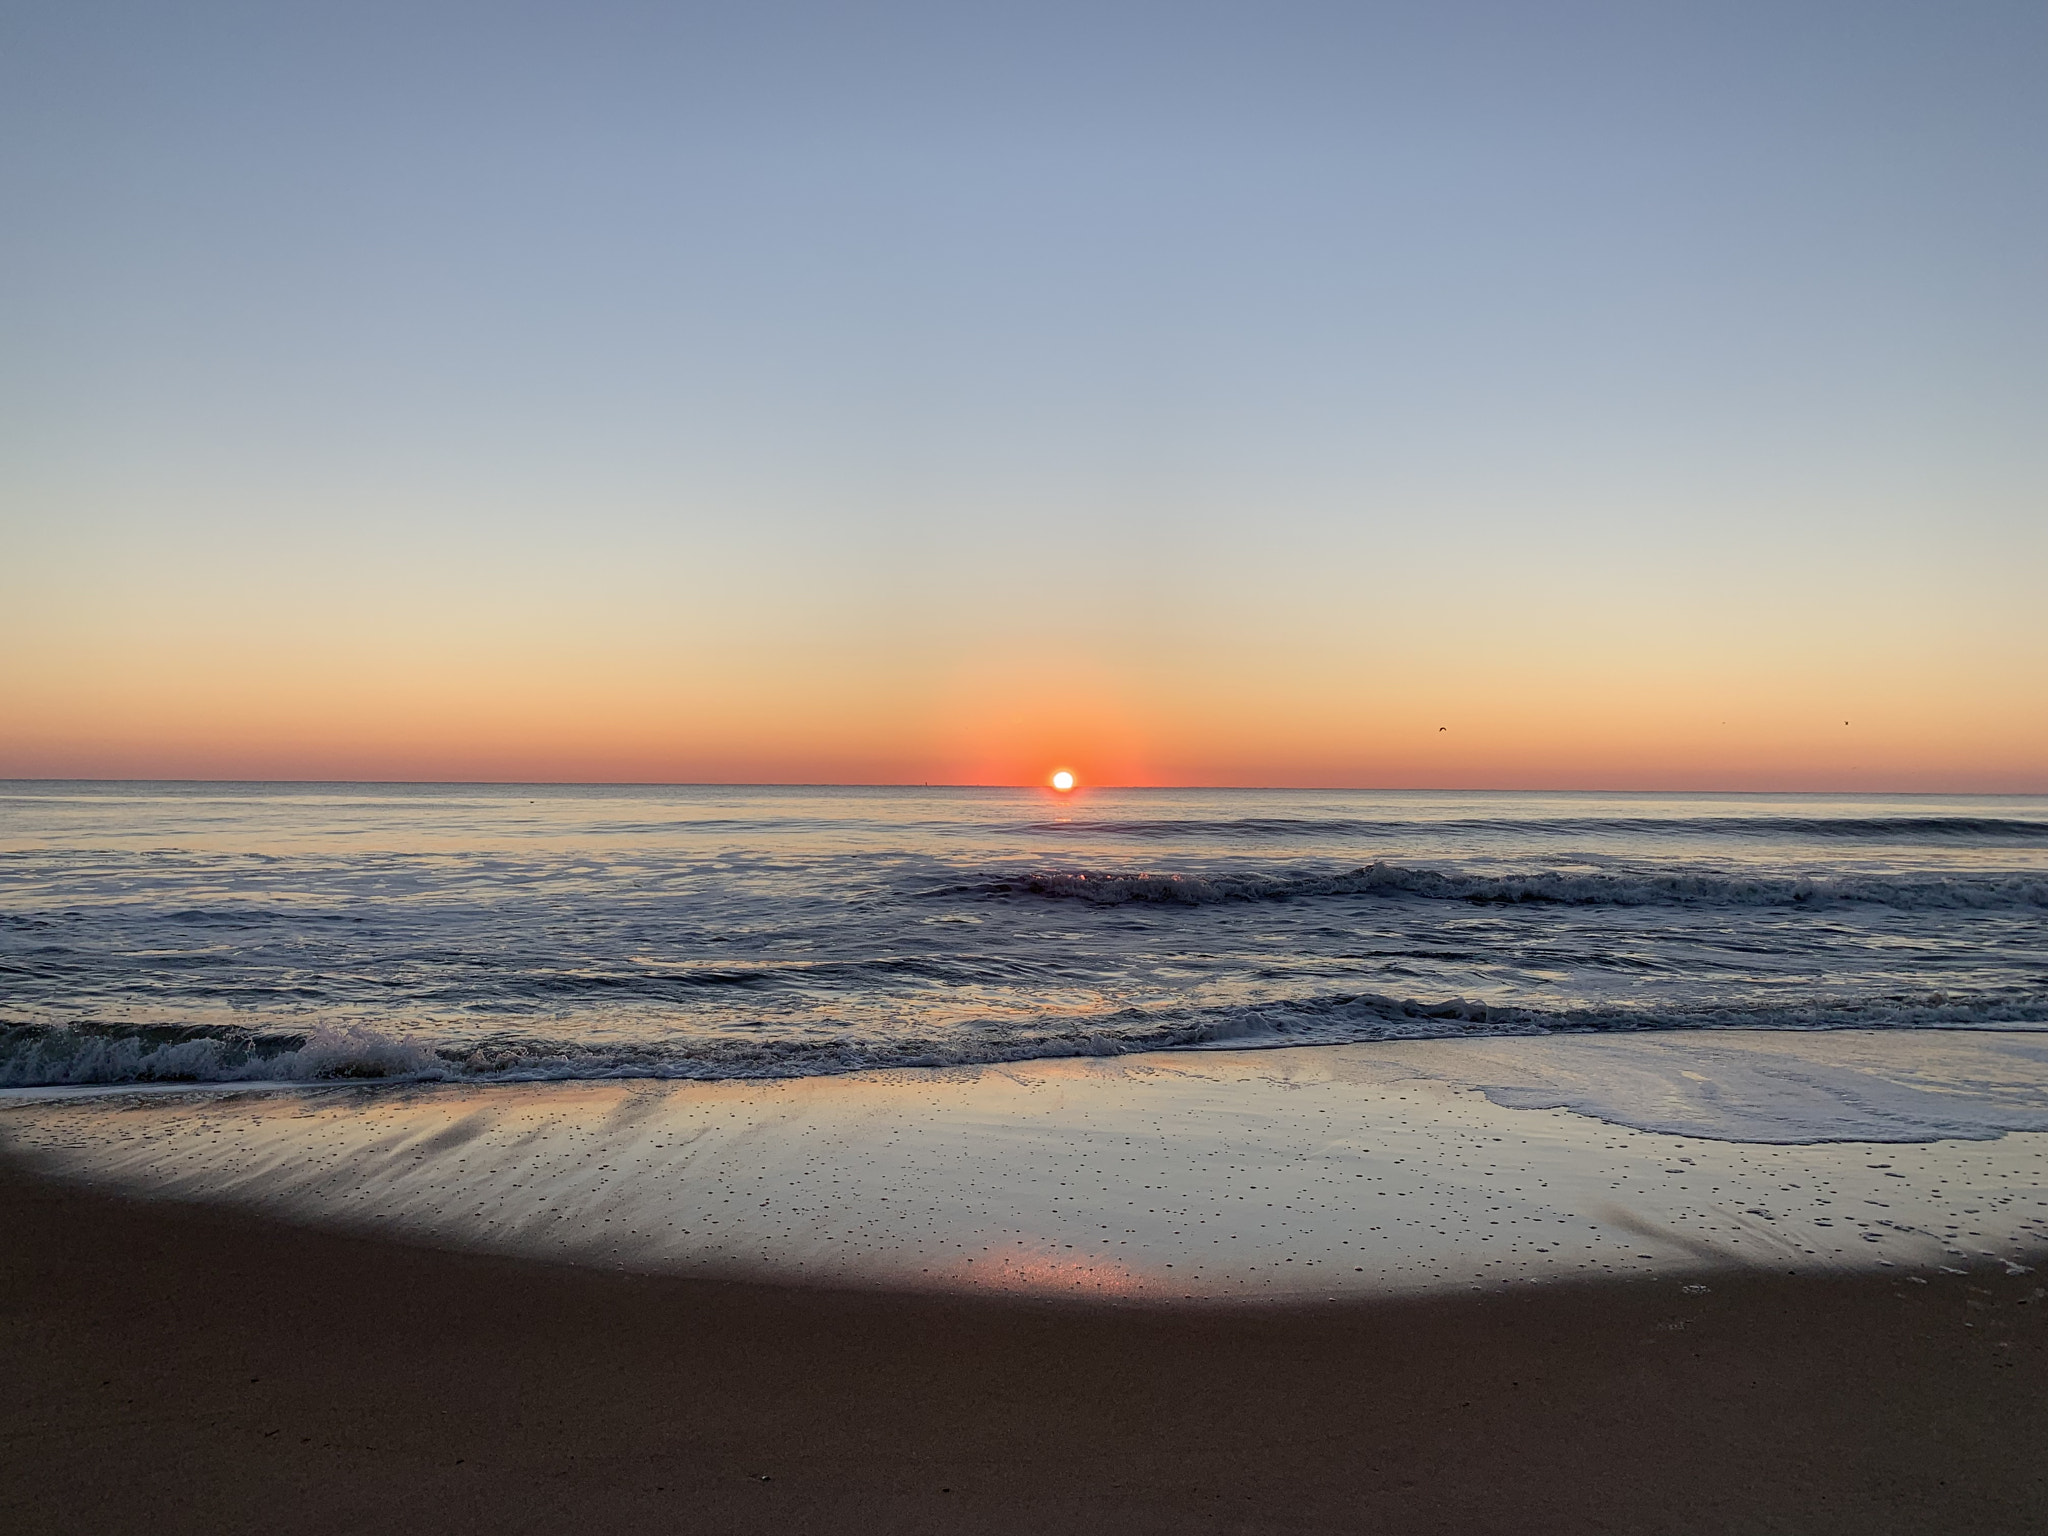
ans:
x=1878 y=829
x=37 y=1055
x=1569 y=889
x=40 y=1055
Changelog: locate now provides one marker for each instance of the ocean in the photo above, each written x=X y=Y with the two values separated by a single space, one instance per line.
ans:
x=294 y=932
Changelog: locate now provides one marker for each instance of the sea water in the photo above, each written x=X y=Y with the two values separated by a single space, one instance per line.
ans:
x=237 y=932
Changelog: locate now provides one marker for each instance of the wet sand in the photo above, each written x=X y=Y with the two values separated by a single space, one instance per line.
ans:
x=1225 y=1176
x=177 y=1367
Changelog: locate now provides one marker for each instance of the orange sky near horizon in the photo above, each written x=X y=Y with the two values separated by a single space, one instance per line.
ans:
x=1388 y=715
x=1606 y=658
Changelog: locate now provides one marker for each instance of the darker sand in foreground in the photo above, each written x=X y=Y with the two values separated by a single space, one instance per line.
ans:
x=171 y=1368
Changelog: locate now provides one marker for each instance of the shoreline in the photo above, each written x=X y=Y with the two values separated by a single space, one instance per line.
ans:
x=1229 y=1177
x=180 y=1367
x=31 y=1093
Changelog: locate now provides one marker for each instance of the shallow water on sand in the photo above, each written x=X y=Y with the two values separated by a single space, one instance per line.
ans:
x=221 y=932
x=1211 y=1176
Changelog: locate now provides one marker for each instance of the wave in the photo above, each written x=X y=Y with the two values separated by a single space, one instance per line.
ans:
x=40 y=1055
x=1887 y=829
x=1568 y=889
x=48 y=1055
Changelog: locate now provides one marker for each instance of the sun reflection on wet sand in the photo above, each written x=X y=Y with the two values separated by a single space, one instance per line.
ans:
x=1045 y=1271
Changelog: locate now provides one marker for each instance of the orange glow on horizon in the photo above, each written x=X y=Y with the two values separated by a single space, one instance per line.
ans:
x=1452 y=715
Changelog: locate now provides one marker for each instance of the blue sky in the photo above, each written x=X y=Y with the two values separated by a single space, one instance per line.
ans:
x=1368 y=359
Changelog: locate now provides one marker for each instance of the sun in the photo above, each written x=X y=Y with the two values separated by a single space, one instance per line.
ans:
x=1063 y=781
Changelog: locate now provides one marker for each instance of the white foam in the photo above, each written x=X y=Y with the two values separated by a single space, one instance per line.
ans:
x=1779 y=1087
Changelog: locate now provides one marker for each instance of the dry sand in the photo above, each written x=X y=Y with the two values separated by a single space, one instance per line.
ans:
x=179 y=1368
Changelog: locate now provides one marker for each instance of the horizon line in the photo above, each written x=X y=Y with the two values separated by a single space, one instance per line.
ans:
x=1380 y=789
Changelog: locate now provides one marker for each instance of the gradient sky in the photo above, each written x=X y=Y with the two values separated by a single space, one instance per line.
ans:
x=1182 y=393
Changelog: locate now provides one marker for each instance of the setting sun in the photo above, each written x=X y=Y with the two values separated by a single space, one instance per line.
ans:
x=1063 y=781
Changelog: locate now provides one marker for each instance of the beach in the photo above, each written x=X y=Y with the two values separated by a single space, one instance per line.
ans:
x=185 y=1368
x=893 y=1300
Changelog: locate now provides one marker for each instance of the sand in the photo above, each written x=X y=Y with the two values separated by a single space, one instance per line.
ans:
x=175 y=1367
x=1438 y=1286
x=1225 y=1177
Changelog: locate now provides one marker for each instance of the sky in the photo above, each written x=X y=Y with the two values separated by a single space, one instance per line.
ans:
x=1464 y=395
